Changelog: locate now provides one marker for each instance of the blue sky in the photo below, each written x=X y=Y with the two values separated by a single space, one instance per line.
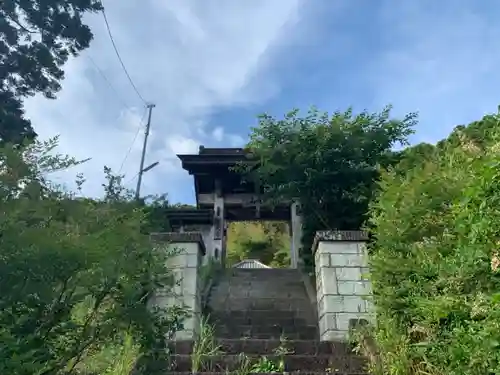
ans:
x=211 y=67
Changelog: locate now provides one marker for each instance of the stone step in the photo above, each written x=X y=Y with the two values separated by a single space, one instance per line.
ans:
x=266 y=332
x=271 y=290
x=265 y=328
x=261 y=321
x=266 y=346
x=266 y=276
x=239 y=304
x=283 y=298
x=283 y=272
x=237 y=282
x=266 y=279
x=252 y=298
x=298 y=347
x=251 y=314
x=318 y=363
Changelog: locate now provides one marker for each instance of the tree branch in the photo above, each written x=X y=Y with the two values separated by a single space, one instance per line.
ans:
x=24 y=28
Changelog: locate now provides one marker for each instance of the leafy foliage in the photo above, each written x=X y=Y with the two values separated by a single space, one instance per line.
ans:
x=76 y=273
x=327 y=162
x=434 y=262
x=36 y=38
x=266 y=366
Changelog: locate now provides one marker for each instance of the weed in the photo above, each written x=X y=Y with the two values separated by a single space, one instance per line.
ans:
x=281 y=351
x=205 y=346
x=284 y=348
x=126 y=358
x=265 y=365
x=245 y=367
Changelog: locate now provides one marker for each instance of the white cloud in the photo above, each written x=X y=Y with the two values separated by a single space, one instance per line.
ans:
x=236 y=140
x=218 y=134
x=182 y=145
x=189 y=57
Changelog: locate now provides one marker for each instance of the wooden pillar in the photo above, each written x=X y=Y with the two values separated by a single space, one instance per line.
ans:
x=219 y=225
x=296 y=235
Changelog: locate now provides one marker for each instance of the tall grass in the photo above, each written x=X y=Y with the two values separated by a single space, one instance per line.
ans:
x=118 y=357
x=205 y=346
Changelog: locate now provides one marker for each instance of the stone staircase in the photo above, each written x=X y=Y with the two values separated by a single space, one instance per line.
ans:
x=260 y=311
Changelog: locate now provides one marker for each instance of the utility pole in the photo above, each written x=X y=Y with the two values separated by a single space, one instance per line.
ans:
x=143 y=156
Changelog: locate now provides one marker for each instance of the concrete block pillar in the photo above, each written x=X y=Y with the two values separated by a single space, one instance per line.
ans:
x=185 y=267
x=296 y=235
x=343 y=290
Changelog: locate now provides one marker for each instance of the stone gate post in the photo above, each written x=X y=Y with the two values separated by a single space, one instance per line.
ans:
x=185 y=266
x=343 y=290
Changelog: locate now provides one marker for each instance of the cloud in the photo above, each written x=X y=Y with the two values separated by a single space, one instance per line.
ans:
x=188 y=57
x=182 y=145
x=218 y=134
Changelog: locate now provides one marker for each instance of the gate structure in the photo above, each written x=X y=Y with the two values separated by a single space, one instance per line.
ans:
x=228 y=197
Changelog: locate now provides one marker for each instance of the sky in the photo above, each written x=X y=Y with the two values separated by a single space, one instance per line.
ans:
x=211 y=66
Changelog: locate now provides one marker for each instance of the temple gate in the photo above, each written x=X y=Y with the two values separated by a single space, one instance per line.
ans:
x=228 y=197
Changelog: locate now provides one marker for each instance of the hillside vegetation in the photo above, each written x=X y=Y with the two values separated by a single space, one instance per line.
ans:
x=435 y=256
x=433 y=216
x=75 y=274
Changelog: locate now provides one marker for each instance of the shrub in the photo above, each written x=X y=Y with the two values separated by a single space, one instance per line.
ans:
x=437 y=289
x=75 y=273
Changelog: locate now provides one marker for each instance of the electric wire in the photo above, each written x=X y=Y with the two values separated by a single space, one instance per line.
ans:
x=125 y=70
x=132 y=179
x=119 y=56
x=120 y=99
x=133 y=141
x=108 y=82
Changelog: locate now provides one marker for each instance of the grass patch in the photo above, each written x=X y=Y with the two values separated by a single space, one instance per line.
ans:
x=205 y=346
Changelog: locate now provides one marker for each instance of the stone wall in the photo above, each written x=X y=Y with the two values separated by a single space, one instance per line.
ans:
x=186 y=269
x=342 y=288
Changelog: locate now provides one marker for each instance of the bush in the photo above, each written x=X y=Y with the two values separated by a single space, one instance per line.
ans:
x=75 y=273
x=434 y=260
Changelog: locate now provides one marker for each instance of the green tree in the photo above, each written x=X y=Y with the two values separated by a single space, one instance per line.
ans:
x=36 y=38
x=435 y=259
x=76 y=274
x=328 y=162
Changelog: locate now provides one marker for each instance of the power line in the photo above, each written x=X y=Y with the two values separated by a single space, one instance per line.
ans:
x=108 y=82
x=131 y=179
x=133 y=141
x=118 y=55
x=120 y=99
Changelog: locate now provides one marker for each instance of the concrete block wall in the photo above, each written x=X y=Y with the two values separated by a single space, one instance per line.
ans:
x=185 y=267
x=342 y=288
